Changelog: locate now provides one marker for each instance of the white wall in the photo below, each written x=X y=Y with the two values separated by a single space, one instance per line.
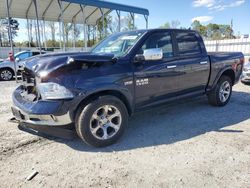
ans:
x=229 y=45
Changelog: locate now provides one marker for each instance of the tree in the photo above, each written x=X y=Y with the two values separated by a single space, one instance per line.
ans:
x=128 y=23
x=107 y=21
x=3 y=31
x=14 y=25
x=52 y=42
x=165 y=25
x=213 y=31
x=175 y=23
x=67 y=30
x=196 y=25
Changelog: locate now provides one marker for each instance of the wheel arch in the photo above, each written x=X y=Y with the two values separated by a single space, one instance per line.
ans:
x=230 y=73
x=225 y=72
x=8 y=68
x=98 y=94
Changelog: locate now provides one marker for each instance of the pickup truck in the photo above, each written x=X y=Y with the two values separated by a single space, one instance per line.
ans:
x=97 y=91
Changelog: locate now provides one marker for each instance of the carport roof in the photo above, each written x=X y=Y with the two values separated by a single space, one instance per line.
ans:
x=49 y=10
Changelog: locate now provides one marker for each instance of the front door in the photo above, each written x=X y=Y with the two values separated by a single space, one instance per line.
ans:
x=156 y=79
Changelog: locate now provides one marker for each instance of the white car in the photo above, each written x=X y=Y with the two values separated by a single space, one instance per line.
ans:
x=246 y=73
x=7 y=68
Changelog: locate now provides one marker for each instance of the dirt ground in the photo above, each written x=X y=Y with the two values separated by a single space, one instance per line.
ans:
x=189 y=144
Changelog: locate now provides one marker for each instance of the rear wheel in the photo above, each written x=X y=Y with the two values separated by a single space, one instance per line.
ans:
x=102 y=121
x=221 y=94
x=6 y=74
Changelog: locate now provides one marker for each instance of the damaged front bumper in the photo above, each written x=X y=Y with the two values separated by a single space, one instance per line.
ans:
x=40 y=112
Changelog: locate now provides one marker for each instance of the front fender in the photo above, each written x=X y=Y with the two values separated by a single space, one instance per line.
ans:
x=108 y=89
x=7 y=65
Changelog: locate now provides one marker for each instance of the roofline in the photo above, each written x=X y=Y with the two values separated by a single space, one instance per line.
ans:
x=111 y=5
x=160 y=29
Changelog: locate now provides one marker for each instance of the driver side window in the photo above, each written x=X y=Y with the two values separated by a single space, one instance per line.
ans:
x=159 y=40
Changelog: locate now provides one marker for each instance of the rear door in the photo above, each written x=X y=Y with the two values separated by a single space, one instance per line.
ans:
x=193 y=63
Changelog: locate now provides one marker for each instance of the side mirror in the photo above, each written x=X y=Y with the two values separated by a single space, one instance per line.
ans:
x=153 y=54
x=17 y=59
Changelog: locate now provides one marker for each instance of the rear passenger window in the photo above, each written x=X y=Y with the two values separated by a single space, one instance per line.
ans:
x=188 y=43
x=159 y=40
x=35 y=53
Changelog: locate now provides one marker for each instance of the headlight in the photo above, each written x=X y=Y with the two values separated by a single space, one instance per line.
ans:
x=245 y=69
x=52 y=90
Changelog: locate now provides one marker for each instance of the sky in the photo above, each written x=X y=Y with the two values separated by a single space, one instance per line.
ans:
x=206 y=11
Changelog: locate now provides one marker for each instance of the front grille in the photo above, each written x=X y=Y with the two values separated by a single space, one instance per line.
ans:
x=29 y=86
x=28 y=79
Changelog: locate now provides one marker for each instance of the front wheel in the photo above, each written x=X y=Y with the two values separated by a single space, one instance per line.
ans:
x=221 y=94
x=102 y=121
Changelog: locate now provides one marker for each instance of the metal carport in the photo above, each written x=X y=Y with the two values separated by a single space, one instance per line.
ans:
x=87 y=12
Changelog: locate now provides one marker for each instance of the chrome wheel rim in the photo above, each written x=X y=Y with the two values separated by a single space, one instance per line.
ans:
x=225 y=90
x=105 y=122
x=6 y=75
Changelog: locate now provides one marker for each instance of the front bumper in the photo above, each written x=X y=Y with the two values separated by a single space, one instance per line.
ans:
x=41 y=112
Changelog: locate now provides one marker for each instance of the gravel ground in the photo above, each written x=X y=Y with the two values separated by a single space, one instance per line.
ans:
x=189 y=144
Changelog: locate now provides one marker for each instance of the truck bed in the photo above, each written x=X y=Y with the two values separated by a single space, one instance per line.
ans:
x=220 y=61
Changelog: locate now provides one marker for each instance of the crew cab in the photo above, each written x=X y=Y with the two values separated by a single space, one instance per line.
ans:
x=127 y=72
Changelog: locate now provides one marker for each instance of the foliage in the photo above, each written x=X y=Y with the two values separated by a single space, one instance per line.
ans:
x=174 y=24
x=4 y=38
x=213 y=31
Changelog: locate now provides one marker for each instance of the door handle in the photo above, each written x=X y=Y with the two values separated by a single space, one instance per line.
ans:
x=171 y=66
x=203 y=62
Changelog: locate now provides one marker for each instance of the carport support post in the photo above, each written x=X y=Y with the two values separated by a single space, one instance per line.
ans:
x=74 y=34
x=44 y=33
x=60 y=35
x=146 y=19
x=133 y=20
x=28 y=27
x=119 y=19
x=85 y=36
x=10 y=36
x=38 y=29
x=102 y=22
x=84 y=29
x=62 y=23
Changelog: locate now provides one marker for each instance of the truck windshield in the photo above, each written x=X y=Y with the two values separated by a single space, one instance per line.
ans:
x=118 y=44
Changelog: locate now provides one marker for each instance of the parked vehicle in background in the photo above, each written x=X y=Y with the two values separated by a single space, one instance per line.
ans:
x=125 y=73
x=7 y=68
x=246 y=73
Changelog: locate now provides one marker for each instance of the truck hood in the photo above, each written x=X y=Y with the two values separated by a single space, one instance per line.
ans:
x=54 y=62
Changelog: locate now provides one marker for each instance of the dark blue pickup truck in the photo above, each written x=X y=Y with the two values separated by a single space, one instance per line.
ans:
x=127 y=72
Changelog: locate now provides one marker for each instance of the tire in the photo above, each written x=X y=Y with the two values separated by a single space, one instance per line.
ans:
x=6 y=74
x=102 y=121
x=222 y=88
